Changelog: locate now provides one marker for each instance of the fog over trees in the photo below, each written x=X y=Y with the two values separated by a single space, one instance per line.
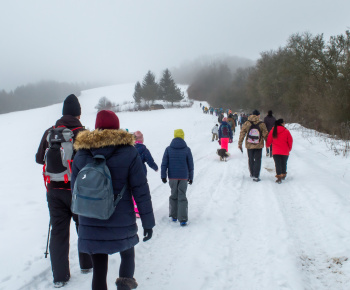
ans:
x=38 y=95
x=307 y=81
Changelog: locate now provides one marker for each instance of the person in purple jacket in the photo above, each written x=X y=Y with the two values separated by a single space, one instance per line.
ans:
x=177 y=164
x=146 y=157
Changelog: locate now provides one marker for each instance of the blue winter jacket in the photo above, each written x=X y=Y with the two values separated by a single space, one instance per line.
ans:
x=229 y=128
x=177 y=161
x=146 y=157
x=119 y=232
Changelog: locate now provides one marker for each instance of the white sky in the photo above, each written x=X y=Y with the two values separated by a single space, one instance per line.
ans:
x=118 y=41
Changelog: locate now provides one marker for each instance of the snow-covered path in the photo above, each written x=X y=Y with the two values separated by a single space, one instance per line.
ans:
x=242 y=235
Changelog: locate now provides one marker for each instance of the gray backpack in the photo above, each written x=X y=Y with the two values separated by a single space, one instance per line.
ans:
x=59 y=155
x=93 y=195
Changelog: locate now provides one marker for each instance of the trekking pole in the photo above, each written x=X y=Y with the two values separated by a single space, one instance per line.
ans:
x=48 y=238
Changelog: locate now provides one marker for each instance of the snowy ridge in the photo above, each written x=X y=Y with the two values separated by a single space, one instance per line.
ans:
x=242 y=235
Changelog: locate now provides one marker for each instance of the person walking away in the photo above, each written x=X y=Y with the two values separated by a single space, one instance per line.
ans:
x=146 y=157
x=243 y=119
x=282 y=142
x=231 y=122
x=59 y=196
x=269 y=121
x=254 y=131
x=101 y=238
x=177 y=165
x=221 y=116
x=225 y=134
x=215 y=132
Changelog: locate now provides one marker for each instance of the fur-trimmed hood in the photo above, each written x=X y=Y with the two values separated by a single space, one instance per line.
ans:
x=103 y=138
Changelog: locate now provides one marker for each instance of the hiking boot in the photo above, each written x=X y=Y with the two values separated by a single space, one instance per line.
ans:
x=59 y=284
x=174 y=220
x=279 y=179
x=183 y=224
x=126 y=283
x=284 y=175
x=256 y=179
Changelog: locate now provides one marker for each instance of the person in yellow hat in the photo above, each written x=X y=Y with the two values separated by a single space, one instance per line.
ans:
x=177 y=165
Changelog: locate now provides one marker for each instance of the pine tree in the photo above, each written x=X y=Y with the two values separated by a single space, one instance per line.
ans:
x=168 y=90
x=150 y=88
x=138 y=93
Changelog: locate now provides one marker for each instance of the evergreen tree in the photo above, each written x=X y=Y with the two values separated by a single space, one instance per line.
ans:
x=168 y=90
x=149 y=88
x=138 y=93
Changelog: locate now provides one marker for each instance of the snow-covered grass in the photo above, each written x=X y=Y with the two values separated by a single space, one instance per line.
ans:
x=242 y=235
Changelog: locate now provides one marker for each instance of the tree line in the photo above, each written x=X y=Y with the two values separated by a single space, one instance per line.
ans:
x=38 y=95
x=307 y=81
x=150 y=91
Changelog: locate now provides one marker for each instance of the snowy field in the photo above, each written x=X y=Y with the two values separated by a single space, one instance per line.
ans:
x=242 y=235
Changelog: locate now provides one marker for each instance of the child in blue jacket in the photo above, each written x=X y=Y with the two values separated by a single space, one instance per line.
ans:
x=146 y=157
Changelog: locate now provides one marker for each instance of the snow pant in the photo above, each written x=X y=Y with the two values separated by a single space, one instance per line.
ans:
x=281 y=163
x=215 y=136
x=100 y=265
x=178 y=203
x=59 y=203
x=224 y=143
x=254 y=161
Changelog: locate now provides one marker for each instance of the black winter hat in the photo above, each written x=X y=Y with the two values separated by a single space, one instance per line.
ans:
x=71 y=106
x=256 y=113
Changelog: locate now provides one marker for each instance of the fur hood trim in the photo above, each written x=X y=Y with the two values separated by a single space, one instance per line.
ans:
x=102 y=138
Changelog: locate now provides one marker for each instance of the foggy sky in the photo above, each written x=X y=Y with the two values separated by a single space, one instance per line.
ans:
x=120 y=40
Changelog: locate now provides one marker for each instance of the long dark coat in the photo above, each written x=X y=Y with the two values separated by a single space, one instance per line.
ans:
x=119 y=232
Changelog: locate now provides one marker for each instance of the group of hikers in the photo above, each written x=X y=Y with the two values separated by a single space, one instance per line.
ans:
x=271 y=133
x=75 y=160
x=124 y=156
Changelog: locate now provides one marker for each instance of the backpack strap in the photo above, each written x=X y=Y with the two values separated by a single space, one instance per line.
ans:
x=120 y=195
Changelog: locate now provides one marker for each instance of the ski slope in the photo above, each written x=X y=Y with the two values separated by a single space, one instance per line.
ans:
x=242 y=235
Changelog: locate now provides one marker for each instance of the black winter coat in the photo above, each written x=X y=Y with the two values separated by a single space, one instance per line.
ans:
x=269 y=122
x=119 y=232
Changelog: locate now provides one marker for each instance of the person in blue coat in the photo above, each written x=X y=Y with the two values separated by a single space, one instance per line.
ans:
x=145 y=157
x=177 y=164
x=101 y=238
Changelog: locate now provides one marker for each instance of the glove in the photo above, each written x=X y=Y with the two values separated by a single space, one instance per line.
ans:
x=164 y=180
x=230 y=141
x=219 y=141
x=190 y=181
x=147 y=233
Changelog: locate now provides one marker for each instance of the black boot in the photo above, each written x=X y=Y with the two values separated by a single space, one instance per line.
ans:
x=126 y=283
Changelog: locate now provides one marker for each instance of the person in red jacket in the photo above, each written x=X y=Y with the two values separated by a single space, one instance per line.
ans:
x=282 y=142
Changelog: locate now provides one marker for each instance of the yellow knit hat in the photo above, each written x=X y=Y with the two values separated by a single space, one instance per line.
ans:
x=179 y=133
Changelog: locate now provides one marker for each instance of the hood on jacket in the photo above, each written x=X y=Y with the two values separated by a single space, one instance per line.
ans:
x=103 y=138
x=255 y=119
x=178 y=143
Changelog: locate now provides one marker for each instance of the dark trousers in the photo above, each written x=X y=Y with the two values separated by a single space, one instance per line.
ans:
x=100 y=264
x=269 y=150
x=59 y=202
x=254 y=161
x=281 y=163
